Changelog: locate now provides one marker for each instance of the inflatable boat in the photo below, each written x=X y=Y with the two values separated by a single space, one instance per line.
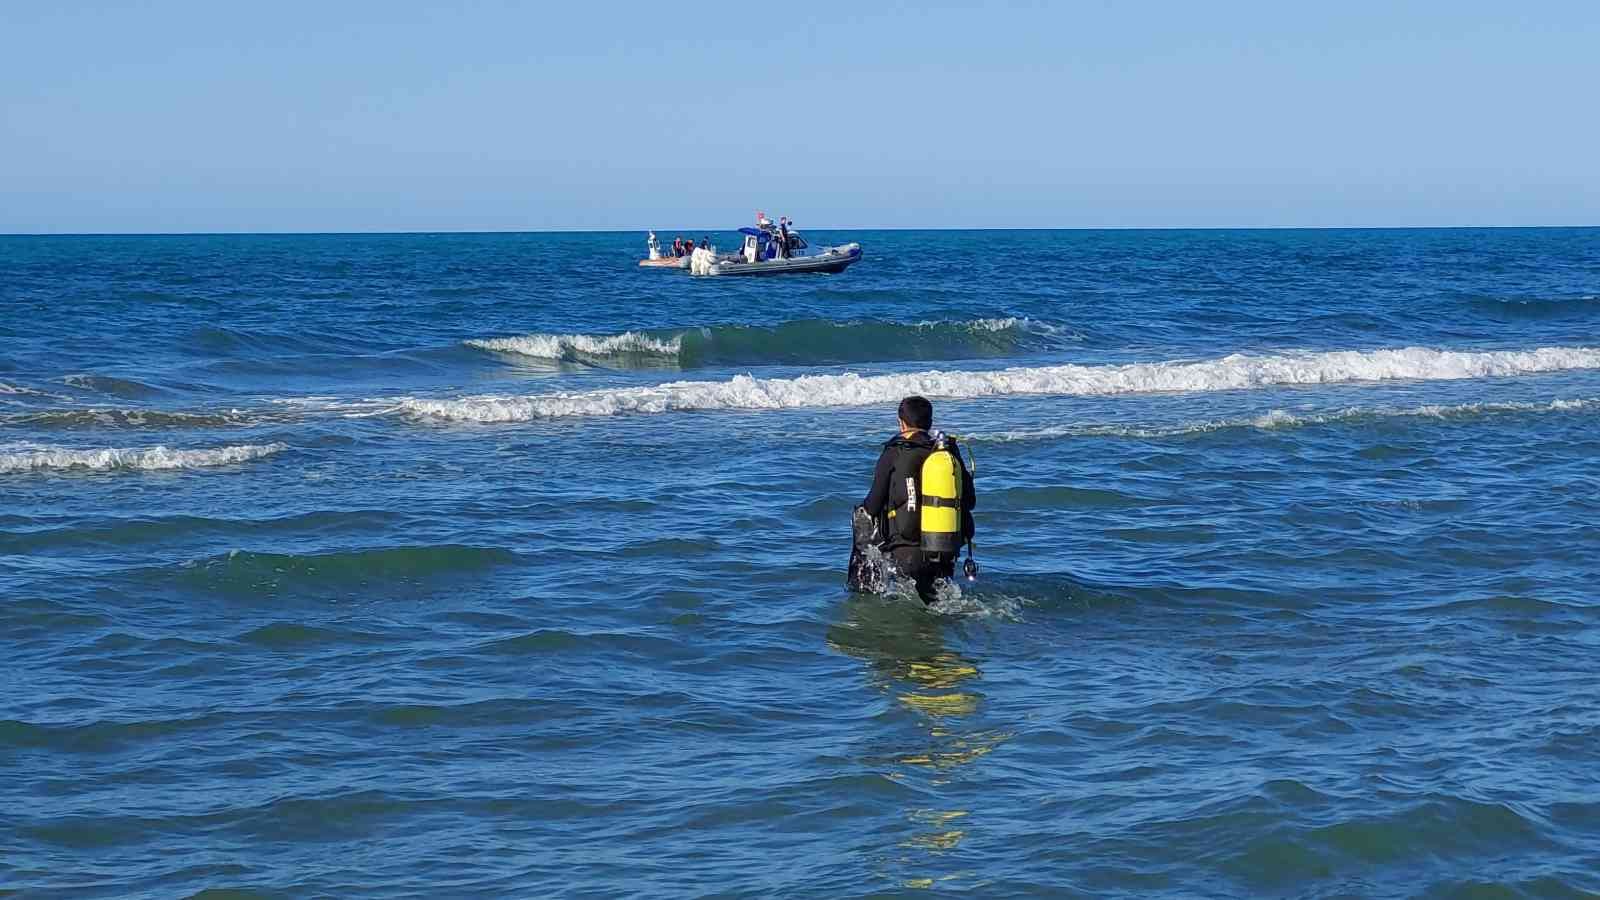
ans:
x=773 y=250
x=659 y=260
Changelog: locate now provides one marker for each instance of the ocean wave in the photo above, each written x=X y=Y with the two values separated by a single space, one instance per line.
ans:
x=128 y=418
x=1234 y=372
x=1537 y=307
x=230 y=341
x=116 y=387
x=27 y=396
x=17 y=458
x=582 y=346
x=1283 y=419
x=256 y=571
x=801 y=342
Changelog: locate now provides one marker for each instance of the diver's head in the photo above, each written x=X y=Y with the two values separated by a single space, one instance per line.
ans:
x=916 y=414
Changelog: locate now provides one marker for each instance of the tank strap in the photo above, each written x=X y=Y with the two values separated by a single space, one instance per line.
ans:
x=941 y=501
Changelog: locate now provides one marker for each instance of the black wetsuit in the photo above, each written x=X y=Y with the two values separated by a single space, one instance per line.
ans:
x=901 y=459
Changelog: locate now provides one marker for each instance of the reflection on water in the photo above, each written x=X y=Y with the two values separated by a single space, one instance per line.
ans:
x=907 y=660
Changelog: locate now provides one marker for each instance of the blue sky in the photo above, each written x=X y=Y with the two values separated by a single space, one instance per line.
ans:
x=358 y=116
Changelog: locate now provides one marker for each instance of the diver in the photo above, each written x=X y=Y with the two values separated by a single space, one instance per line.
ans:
x=919 y=525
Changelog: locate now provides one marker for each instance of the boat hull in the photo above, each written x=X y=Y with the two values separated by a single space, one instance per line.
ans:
x=832 y=262
x=666 y=262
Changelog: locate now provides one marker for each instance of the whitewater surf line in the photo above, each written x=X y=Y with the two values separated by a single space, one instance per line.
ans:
x=818 y=340
x=16 y=459
x=1283 y=419
x=110 y=417
x=1233 y=372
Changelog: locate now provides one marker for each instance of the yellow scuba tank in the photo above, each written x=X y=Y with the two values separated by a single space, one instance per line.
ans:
x=941 y=503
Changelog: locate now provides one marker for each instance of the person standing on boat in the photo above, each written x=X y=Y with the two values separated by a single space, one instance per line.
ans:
x=783 y=236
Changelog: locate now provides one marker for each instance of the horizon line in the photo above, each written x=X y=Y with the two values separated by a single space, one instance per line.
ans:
x=634 y=229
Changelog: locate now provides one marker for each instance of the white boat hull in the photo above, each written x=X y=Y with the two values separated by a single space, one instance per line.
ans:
x=830 y=261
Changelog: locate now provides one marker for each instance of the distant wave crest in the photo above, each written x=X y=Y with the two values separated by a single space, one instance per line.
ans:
x=34 y=458
x=582 y=346
x=102 y=417
x=258 y=572
x=116 y=387
x=801 y=342
x=1234 y=372
x=1537 y=307
x=1283 y=419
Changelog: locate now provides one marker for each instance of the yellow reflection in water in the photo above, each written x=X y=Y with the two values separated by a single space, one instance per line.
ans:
x=939 y=837
x=942 y=704
x=961 y=750
x=907 y=661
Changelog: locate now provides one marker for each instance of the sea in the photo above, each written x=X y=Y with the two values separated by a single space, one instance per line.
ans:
x=469 y=565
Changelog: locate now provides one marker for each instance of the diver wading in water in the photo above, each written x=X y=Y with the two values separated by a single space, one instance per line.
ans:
x=919 y=510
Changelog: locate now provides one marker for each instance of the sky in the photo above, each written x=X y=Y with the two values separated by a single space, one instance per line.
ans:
x=350 y=115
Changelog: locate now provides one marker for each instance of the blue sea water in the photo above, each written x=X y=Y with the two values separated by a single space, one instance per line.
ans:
x=495 y=565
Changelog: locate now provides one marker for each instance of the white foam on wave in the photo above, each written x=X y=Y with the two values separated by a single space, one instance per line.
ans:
x=1283 y=419
x=1005 y=323
x=110 y=417
x=995 y=324
x=561 y=346
x=16 y=458
x=1234 y=372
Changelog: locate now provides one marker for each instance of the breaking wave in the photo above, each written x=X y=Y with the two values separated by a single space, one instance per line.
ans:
x=585 y=347
x=34 y=458
x=1283 y=419
x=803 y=342
x=1234 y=372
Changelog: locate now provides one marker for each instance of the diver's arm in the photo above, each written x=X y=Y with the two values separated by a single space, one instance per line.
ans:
x=879 y=495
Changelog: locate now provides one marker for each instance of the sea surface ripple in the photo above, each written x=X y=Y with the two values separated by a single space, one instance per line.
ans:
x=494 y=565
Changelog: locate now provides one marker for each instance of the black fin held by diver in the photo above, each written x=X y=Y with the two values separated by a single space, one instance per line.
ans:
x=863 y=535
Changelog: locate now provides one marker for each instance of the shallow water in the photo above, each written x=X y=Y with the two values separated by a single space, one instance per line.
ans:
x=468 y=564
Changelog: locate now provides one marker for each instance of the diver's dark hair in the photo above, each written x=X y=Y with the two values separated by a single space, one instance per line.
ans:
x=917 y=412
